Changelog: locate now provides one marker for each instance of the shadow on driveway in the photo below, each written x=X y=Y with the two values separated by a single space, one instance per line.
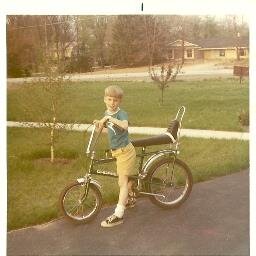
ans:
x=213 y=221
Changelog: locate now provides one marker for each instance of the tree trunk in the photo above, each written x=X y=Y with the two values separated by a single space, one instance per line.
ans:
x=183 y=50
x=52 y=144
x=162 y=95
x=52 y=140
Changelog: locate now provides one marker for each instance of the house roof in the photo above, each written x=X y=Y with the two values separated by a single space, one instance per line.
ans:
x=223 y=42
x=178 y=43
x=213 y=43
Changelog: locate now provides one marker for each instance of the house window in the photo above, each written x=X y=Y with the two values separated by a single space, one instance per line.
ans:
x=242 y=52
x=222 y=53
x=171 y=55
x=189 y=53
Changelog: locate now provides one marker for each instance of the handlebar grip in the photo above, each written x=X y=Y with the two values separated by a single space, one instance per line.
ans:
x=108 y=123
x=110 y=126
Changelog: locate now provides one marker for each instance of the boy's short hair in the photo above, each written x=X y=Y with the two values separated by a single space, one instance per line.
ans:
x=114 y=91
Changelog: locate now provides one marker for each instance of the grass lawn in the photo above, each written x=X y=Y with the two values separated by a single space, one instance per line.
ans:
x=211 y=104
x=34 y=184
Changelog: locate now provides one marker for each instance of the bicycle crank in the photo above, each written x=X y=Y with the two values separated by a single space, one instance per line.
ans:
x=152 y=194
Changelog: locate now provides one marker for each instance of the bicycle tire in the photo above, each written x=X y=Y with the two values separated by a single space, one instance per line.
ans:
x=74 y=209
x=171 y=190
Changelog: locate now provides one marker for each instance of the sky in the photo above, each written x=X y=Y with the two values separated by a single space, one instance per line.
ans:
x=218 y=8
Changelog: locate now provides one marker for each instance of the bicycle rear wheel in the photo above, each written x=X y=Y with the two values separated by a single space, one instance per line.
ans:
x=80 y=203
x=170 y=180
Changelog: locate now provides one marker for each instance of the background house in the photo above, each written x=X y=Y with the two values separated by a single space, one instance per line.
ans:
x=191 y=51
x=217 y=48
x=225 y=48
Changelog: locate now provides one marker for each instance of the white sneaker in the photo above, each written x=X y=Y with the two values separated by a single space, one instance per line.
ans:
x=111 y=221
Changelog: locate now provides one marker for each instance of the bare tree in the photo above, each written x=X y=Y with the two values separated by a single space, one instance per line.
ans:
x=44 y=99
x=55 y=71
x=167 y=71
x=150 y=23
x=100 y=42
x=237 y=36
x=46 y=94
x=165 y=74
x=23 y=55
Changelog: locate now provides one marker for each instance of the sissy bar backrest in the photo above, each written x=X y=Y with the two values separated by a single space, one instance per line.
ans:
x=180 y=114
x=174 y=127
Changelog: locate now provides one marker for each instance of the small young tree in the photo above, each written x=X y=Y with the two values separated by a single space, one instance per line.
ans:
x=45 y=95
x=164 y=74
x=44 y=102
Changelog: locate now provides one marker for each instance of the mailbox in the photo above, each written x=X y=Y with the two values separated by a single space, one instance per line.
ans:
x=241 y=71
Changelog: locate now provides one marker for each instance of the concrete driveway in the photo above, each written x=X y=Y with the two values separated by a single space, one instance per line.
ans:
x=213 y=221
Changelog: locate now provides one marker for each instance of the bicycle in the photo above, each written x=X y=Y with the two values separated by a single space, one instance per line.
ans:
x=164 y=178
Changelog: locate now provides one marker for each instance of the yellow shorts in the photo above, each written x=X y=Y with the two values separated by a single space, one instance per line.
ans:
x=125 y=160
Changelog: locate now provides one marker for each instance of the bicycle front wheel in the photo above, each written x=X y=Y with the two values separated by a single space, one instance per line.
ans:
x=81 y=202
x=170 y=182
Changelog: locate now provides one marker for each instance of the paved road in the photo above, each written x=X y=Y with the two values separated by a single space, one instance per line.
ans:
x=214 y=221
x=191 y=72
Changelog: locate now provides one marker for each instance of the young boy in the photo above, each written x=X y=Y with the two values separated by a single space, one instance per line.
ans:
x=121 y=149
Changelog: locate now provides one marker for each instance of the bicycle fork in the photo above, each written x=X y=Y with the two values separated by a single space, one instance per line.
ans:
x=86 y=181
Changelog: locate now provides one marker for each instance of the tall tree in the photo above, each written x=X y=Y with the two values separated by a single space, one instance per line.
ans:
x=125 y=39
x=210 y=27
x=23 y=56
x=61 y=35
x=100 y=43
x=139 y=40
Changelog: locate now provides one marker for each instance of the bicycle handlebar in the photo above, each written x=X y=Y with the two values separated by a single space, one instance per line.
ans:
x=173 y=129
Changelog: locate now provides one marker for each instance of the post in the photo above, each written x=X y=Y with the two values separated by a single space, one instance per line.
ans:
x=237 y=46
x=182 y=47
x=45 y=38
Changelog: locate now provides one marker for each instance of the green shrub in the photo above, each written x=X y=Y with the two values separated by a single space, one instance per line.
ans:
x=244 y=118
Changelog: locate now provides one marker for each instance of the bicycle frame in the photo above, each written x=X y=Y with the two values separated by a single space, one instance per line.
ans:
x=142 y=171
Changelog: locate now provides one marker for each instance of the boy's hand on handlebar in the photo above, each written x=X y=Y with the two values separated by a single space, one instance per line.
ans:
x=121 y=124
x=100 y=123
x=97 y=123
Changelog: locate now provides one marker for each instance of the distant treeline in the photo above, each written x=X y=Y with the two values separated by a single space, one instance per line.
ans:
x=83 y=42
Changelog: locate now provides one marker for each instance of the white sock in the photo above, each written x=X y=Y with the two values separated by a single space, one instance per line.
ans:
x=119 y=211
